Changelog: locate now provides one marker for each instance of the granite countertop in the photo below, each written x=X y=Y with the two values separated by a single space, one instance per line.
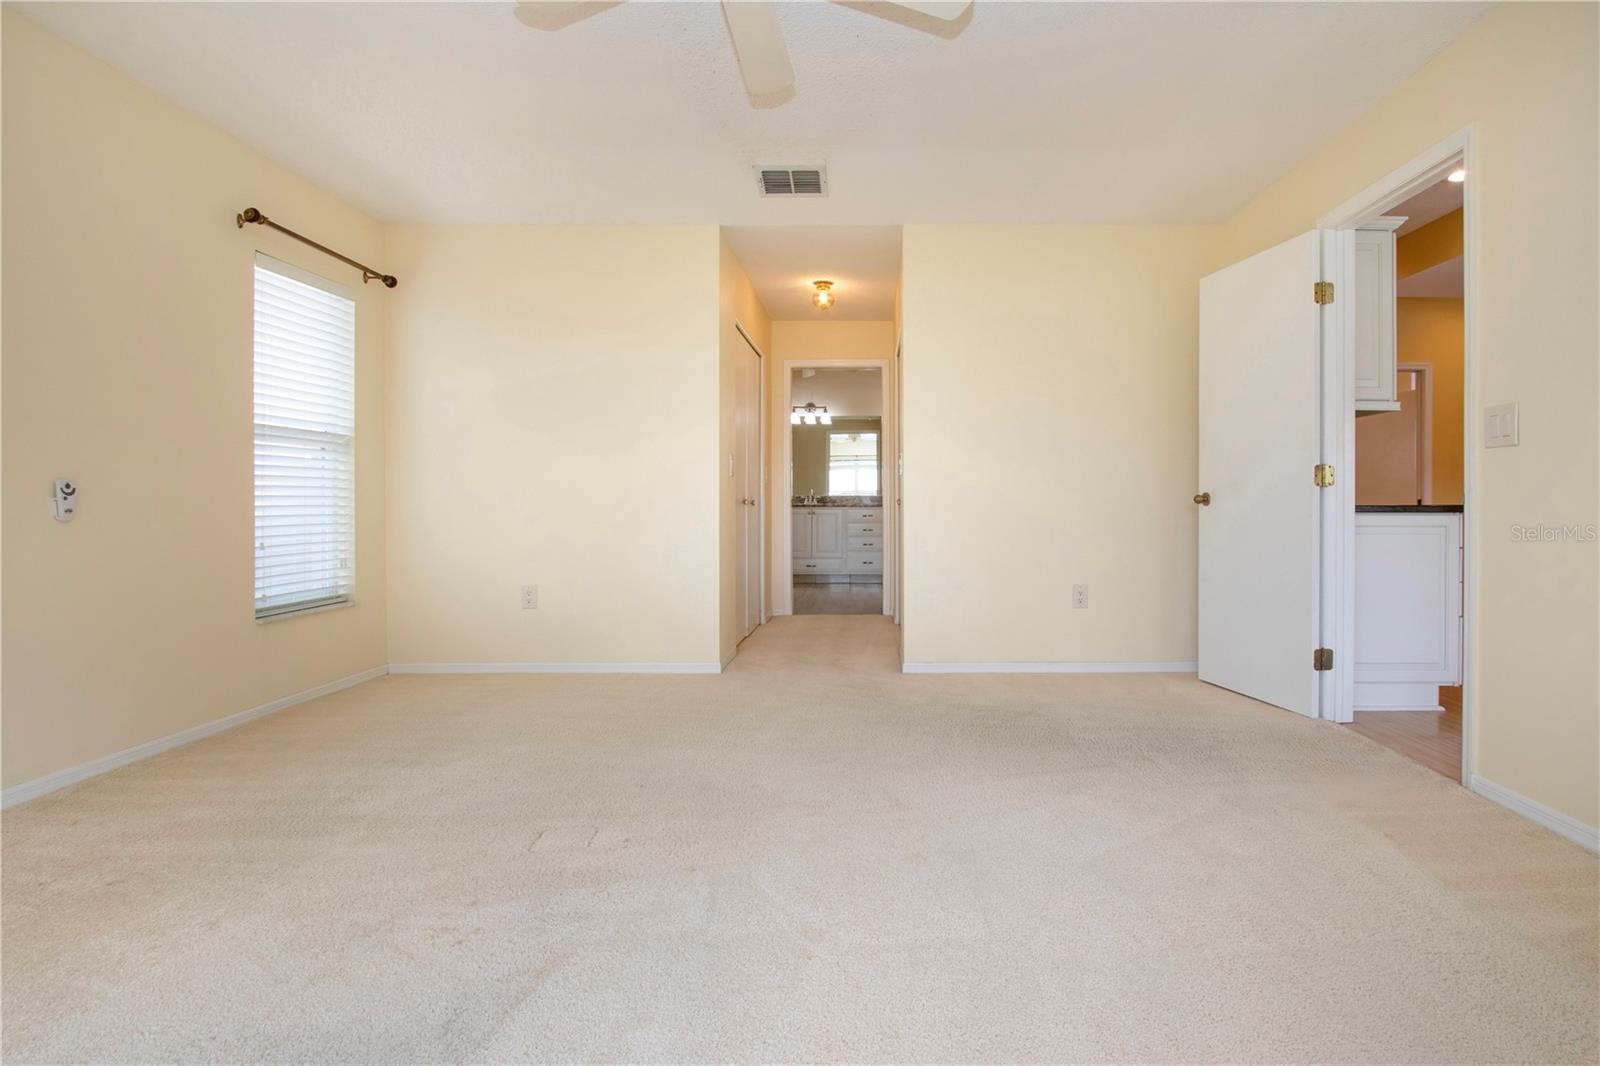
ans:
x=1408 y=508
x=838 y=501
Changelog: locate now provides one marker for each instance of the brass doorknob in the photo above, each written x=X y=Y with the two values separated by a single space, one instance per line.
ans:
x=1203 y=499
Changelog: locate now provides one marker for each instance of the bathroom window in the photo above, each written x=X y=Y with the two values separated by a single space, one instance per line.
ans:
x=852 y=464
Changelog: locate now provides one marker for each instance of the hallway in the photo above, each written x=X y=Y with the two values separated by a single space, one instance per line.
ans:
x=838 y=597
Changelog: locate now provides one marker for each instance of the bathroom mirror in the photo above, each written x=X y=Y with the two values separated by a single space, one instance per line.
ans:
x=841 y=459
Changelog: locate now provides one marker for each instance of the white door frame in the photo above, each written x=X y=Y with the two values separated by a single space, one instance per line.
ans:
x=1338 y=562
x=783 y=558
x=761 y=481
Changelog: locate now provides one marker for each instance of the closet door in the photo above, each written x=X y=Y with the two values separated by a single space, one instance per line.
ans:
x=748 y=475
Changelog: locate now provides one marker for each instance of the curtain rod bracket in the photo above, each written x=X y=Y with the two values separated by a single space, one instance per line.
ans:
x=255 y=217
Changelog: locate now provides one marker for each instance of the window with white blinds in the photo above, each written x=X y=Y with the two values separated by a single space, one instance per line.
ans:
x=305 y=424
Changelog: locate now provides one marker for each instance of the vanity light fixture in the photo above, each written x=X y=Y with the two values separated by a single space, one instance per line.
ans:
x=823 y=296
x=810 y=415
x=1458 y=175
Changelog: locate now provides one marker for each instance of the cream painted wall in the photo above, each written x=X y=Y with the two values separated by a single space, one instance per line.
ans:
x=127 y=363
x=793 y=344
x=554 y=420
x=1527 y=77
x=737 y=305
x=1050 y=427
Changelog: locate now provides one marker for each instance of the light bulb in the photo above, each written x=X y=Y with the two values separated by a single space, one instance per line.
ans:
x=823 y=296
x=1458 y=175
x=825 y=418
x=794 y=418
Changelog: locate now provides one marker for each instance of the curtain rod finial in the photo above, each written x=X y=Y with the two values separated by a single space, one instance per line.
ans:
x=249 y=214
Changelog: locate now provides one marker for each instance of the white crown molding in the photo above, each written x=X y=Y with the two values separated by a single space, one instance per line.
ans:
x=40 y=786
x=1585 y=836
x=555 y=668
x=1048 y=668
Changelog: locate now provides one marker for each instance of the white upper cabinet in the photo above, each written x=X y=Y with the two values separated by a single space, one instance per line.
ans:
x=1375 y=315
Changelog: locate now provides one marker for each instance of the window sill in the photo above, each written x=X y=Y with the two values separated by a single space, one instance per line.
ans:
x=303 y=611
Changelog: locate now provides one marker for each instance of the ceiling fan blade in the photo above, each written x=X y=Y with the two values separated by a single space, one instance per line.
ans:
x=949 y=10
x=558 y=14
x=763 y=59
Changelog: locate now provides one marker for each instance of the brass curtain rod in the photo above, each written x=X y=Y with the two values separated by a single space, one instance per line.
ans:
x=250 y=214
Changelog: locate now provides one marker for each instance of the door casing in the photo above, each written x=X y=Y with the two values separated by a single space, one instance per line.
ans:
x=1338 y=558
x=889 y=482
x=754 y=568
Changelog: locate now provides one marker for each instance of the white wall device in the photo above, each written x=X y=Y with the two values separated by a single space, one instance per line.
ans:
x=1500 y=426
x=66 y=499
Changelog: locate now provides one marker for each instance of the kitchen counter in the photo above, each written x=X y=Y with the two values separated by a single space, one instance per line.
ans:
x=839 y=501
x=1408 y=508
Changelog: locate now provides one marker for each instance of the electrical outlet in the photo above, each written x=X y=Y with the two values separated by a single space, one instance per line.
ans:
x=530 y=597
x=1080 y=596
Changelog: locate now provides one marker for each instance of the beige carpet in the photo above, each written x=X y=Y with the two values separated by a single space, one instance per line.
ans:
x=808 y=858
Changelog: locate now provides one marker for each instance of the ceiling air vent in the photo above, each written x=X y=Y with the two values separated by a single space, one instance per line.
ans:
x=793 y=181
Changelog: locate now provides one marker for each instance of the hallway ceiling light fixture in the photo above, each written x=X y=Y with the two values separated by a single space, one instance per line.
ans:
x=1458 y=175
x=823 y=296
x=810 y=415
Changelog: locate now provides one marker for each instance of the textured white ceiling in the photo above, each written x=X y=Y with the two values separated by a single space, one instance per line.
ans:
x=863 y=262
x=458 y=112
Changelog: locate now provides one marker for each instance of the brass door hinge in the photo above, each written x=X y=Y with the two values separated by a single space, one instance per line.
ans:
x=1322 y=475
x=1322 y=292
x=1322 y=659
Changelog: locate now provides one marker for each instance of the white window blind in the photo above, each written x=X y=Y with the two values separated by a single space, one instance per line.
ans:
x=305 y=423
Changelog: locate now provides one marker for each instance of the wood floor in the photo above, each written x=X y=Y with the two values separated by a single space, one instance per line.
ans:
x=1432 y=738
x=855 y=598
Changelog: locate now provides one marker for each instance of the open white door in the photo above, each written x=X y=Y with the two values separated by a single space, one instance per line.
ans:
x=1260 y=428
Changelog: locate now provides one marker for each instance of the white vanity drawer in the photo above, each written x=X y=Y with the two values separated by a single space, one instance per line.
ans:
x=864 y=529
x=818 y=566
x=863 y=514
x=864 y=563
x=866 y=544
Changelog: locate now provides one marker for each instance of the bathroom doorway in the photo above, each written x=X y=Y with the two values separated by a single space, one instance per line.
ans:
x=837 y=461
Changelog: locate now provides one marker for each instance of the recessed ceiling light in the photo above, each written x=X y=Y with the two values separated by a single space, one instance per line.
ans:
x=1458 y=175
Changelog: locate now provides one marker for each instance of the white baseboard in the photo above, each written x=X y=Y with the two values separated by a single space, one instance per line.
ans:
x=1396 y=696
x=1585 y=836
x=555 y=668
x=39 y=786
x=1048 y=668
